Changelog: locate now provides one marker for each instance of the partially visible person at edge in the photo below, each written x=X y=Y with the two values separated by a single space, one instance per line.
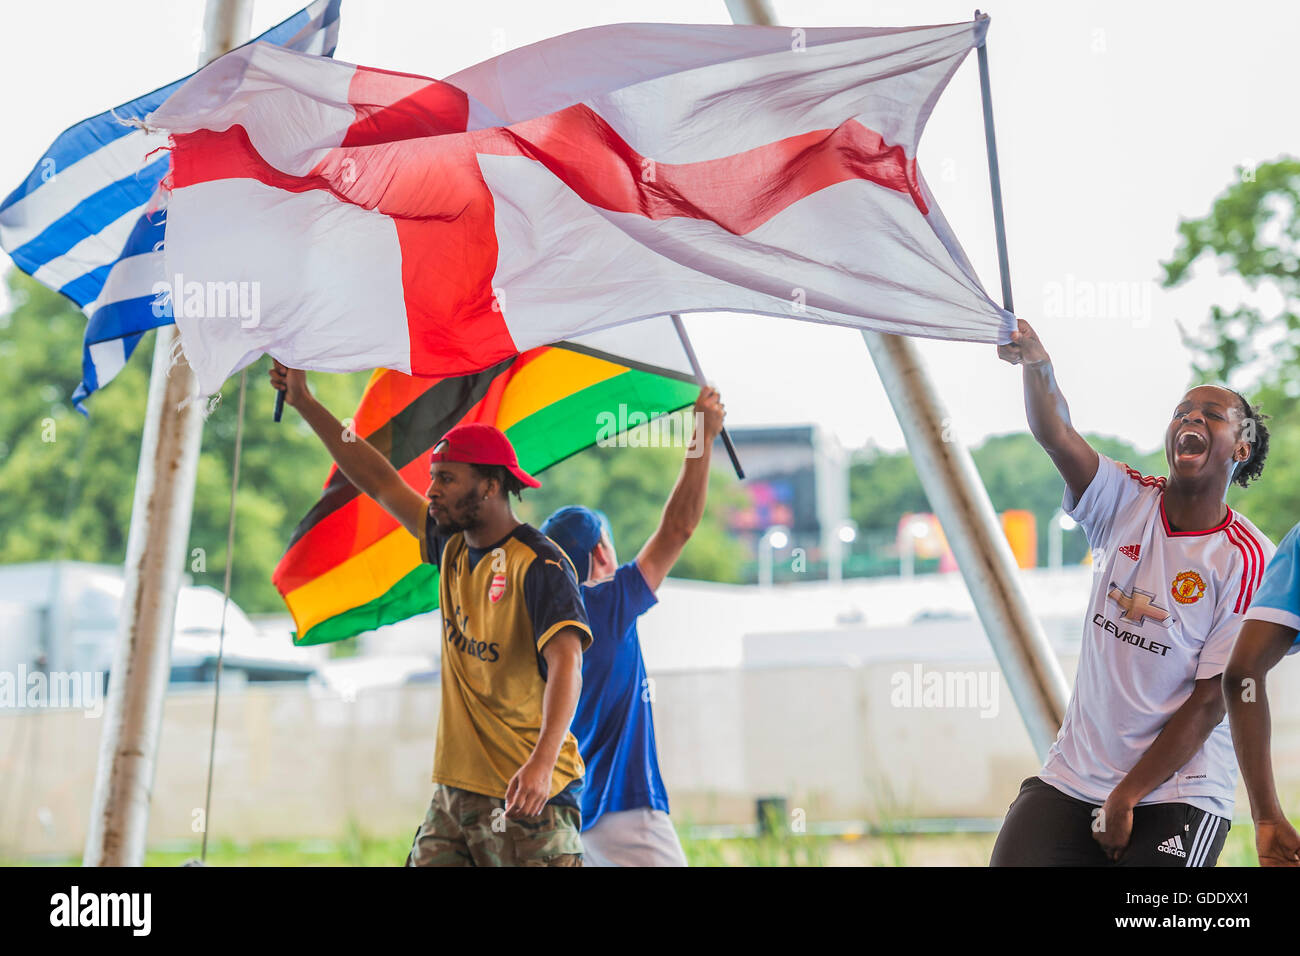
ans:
x=1142 y=772
x=1270 y=631
x=624 y=804
x=507 y=774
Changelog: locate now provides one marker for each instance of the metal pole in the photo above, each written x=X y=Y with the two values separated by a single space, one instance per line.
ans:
x=699 y=377
x=962 y=504
x=995 y=177
x=155 y=558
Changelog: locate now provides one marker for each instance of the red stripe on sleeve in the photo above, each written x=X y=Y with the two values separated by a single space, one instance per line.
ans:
x=1242 y=541
x=1257 y=564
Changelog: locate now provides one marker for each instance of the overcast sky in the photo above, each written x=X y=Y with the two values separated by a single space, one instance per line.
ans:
x=1114 y=119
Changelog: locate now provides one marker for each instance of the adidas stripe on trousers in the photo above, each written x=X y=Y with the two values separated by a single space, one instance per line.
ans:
x=1045 y=827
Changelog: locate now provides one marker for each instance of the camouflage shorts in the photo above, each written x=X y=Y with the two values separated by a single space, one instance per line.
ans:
x=470 y=829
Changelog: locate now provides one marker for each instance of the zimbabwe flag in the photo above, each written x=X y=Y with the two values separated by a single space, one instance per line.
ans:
x=350 y=567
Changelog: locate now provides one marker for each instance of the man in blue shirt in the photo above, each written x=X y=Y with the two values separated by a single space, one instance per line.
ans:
x=1268 y=633
x=624 y=804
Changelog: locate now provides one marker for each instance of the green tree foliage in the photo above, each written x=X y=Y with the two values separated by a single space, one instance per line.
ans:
x=1016 y=472
x=631 y=485
x=1253 y=231
x=66 y=482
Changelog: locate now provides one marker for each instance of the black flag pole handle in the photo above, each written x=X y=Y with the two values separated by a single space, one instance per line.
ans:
x=279 y=405
x=699 y=377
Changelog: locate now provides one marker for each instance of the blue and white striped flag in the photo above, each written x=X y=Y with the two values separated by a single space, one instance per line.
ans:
x=82 y=222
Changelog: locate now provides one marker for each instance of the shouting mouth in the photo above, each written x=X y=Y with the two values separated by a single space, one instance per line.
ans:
x=1190 y=446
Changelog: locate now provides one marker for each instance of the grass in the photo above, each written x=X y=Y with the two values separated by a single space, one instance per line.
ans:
x=354 y=847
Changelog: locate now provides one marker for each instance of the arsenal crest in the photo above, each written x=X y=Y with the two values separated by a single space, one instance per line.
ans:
x=1187 y=588
x=498 y=588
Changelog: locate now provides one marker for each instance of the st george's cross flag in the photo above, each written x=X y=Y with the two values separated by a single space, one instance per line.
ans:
x=85 y=221
x=384 y=220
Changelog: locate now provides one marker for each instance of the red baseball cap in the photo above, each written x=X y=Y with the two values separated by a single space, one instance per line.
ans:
x=479 y=444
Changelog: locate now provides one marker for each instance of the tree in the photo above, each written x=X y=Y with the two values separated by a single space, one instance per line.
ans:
x=1015 y=471
x=631 y=485
x=66 y=482
x=1253 y=231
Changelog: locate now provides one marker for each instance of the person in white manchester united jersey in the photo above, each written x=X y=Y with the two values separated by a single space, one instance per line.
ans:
x=1142 y=772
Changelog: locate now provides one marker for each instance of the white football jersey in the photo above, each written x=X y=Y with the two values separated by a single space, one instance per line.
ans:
x=1166 y=607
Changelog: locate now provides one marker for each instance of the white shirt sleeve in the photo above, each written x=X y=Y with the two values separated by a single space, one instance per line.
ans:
x=1109 y=491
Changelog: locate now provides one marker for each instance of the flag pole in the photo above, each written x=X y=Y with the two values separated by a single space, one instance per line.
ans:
x=156 y=554
x=995 y=178
x=961 y=501
x=699 y=377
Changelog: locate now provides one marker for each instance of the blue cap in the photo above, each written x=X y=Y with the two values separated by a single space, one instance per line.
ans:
x=577 y=530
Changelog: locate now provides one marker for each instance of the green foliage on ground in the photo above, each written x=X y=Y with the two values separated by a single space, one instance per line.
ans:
x=355 y=847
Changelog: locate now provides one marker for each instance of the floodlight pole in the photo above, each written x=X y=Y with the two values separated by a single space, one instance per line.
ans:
x=958 y=496
x=155 y=558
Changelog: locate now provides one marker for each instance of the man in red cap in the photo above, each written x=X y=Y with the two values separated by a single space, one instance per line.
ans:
x=507 y=774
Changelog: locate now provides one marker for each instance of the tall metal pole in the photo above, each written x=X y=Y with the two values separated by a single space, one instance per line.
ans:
x=156 y=554
x=995 y=175
x=962 y=505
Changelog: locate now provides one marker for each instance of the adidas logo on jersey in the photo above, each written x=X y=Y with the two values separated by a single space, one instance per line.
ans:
x=1173 y=846
x=1131 y=551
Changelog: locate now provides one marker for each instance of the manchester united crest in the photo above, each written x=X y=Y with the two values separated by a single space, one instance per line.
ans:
x=1188 y=587
x=498 y=588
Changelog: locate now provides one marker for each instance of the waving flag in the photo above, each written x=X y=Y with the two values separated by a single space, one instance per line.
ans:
x=350 y=567
x=386 y=220
x=82 y=222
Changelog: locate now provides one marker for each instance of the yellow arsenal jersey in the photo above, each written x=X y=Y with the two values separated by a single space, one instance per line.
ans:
x=500 y=605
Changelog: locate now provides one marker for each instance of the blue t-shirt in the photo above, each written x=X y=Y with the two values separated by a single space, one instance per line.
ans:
x=613 y=723
x=1278 y=598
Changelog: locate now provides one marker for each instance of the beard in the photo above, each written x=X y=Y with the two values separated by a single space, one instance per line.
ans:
x=463 y=515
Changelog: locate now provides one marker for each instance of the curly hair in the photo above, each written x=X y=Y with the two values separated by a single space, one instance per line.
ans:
x=510 y=485
x=1254 y=431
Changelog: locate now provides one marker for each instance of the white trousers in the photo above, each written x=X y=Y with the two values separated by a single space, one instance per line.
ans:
x=640 y=837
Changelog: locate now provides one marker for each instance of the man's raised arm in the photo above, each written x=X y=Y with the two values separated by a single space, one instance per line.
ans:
x=359 y=461
x=1049 y=416
x=685 y=505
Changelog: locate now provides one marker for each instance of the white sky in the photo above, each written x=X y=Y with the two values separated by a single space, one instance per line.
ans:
x=1114 y=119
